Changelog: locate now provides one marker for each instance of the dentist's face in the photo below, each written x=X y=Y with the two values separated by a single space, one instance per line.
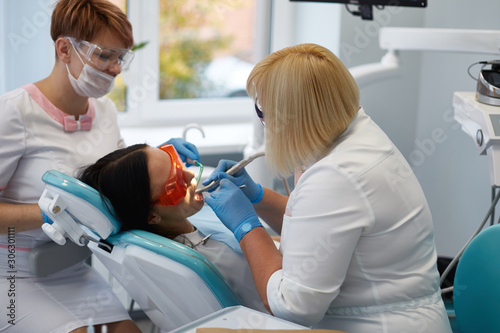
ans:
x=160 y=170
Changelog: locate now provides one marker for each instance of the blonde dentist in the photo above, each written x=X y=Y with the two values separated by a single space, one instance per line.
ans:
x=357 y=249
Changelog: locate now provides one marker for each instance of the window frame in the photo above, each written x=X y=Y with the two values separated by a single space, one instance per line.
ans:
x=144 y=108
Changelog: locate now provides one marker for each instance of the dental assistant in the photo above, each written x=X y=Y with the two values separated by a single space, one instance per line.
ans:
x=357 y=248
x=62 y=122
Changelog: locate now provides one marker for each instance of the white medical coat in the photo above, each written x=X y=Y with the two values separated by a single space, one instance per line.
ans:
x=32 y=141
x=357 y=243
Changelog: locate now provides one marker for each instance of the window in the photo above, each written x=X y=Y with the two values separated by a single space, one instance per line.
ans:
x=206 y=47
x=194 y=63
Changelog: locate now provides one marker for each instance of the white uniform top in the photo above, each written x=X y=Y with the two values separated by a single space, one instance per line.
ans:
x=357 y=243
x=32 y=141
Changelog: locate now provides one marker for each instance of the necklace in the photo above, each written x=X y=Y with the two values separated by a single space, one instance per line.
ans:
x=186 y=241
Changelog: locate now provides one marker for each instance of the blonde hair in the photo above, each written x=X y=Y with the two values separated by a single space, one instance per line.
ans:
x=308 y=98
x=85 y=19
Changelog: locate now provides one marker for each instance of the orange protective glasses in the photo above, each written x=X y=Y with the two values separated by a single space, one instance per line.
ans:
x=176 y=185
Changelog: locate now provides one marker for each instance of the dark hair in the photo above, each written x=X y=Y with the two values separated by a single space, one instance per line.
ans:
x=122 y=177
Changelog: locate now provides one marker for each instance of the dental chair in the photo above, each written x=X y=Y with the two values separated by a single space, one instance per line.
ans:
x=476 y=291
x=172 y=283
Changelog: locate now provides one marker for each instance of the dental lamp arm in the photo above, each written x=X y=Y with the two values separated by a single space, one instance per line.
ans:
x=387 y=68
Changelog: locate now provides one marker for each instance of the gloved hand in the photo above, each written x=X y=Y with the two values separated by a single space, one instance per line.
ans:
x=233 y=209
x=45 y=218
x=188 y=152
x=252 y=190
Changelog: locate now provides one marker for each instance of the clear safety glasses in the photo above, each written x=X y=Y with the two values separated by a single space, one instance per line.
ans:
x=103 y=58
x=176 y=185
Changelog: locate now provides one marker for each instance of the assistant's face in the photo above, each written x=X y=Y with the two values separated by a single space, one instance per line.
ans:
x=159 y=168
x=109 y=40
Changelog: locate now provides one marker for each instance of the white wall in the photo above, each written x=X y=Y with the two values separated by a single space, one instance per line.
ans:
x=298 y=22
x=25 y=36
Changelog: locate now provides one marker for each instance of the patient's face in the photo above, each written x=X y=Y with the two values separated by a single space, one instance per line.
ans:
x=159 y=166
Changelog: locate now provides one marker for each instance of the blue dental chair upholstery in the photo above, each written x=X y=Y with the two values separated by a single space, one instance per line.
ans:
x=173 y=284
x=476 y=294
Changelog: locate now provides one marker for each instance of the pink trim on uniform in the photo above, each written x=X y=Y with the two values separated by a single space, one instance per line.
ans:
x=50 y=108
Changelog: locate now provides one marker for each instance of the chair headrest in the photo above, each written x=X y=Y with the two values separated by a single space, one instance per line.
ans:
x=84 y=203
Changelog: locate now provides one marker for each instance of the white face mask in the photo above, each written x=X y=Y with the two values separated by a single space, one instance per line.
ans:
x=91 y=82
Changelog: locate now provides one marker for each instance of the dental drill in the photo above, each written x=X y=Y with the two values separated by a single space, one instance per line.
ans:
x=231 y=171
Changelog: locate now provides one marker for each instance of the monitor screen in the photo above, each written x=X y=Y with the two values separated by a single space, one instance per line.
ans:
x=407 y=3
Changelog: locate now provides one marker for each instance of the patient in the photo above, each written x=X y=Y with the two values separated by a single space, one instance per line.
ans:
x=150 y=190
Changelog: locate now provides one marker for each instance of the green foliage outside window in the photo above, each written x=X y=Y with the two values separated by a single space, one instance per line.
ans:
x=189 y=37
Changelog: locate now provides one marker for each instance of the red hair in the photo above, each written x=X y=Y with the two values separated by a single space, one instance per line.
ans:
x=85 y=19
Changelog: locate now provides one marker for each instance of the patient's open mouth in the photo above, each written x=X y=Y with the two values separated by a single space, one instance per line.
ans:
x=198 y=197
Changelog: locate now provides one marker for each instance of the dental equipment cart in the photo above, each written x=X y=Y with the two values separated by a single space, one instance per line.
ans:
x=482 y=123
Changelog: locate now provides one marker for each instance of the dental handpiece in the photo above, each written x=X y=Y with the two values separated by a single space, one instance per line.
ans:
x=231 y=171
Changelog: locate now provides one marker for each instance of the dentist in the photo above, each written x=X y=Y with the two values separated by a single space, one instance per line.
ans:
x=357 y=249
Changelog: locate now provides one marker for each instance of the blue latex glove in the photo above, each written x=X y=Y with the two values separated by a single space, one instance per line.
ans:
x=46 y=219
x=233 y=209
x=252 y=190
x=188 y=152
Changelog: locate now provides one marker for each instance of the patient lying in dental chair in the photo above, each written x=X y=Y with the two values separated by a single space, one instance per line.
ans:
x=150 y=190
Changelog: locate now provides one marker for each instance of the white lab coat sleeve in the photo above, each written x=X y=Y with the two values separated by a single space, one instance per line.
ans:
x=325 y=218
x=12 y=139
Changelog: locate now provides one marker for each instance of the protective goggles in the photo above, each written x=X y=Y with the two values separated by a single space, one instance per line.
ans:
x=103 y=58
x=176 y=185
